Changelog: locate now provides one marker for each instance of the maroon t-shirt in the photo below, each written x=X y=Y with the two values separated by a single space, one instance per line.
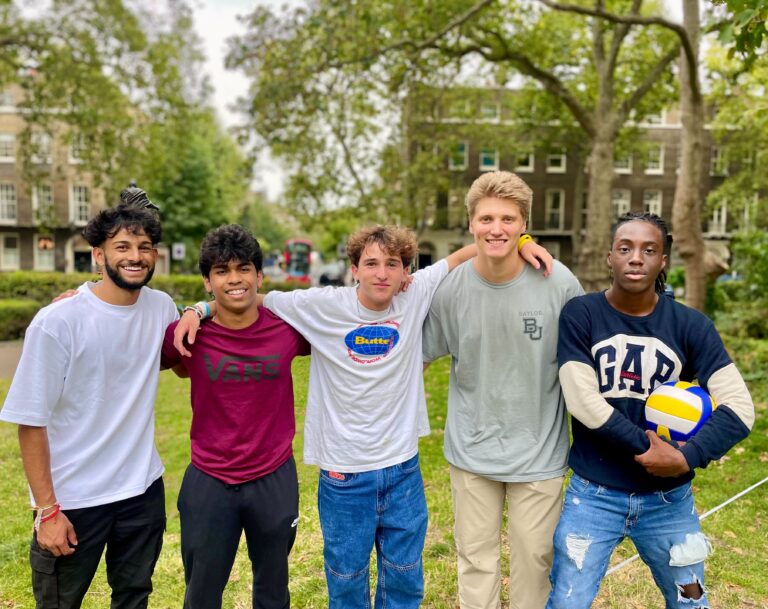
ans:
x=242 y=396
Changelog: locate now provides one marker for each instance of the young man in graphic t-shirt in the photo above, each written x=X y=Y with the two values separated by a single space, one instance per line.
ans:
x=243 y=475
x=365 y=412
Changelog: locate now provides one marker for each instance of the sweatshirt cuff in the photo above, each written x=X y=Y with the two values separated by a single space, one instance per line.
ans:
x=693 y=455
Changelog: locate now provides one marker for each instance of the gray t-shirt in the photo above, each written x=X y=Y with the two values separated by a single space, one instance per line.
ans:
x=506 y=415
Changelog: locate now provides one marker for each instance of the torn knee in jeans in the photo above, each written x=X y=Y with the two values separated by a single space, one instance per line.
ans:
x=691 y=592
x=694 y=549
x=577 y=547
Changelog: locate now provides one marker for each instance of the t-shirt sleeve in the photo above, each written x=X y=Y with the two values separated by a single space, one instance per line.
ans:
x=299 y=308
x=169 y=356
x=434 y=343
x=39 y=379
x=427 y=280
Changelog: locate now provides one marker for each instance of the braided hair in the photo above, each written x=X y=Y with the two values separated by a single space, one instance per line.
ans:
x=666 y=237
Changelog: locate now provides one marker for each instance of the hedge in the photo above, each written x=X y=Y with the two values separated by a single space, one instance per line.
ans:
x=25 y=291
x=15 y=316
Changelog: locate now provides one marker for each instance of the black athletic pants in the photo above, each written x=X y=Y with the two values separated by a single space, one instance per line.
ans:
x=214 y=516
x=132 y=531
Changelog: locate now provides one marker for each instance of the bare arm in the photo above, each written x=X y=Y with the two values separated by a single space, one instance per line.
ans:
x=56 y=535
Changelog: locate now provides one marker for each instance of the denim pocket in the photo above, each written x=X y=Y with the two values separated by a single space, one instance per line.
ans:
x=581 y=485
x=677 y=494
x=45 y=584
x=337 y=478
x=410 y=465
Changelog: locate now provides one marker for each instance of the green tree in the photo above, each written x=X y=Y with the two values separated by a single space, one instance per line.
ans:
x=741 y=26
x=256 y=215
x=329 y=80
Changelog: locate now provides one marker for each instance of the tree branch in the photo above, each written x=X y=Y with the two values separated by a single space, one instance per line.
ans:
x=649 y=81
x=678 y=29
x=418 y=46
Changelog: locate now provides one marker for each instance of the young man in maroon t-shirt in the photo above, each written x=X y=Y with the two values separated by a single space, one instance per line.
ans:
x=242 y=476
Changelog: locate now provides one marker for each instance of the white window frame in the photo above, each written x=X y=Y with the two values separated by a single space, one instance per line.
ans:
x=655 y=119
x=554 y=169
x=41 y=263
x=496 y=111
x=9 y=211
x=658 y=201
x=36 y=207
x=656 y=171
x=619 y=203
x=74 y=205
x=42 y=140
x=76 y=146
x=718 y=225
x=529 y=167
x=618 y=168
x=6 y=101
x=11 y=138
x=718 y=161
x=14 y=264
x=459 y=167
x=459 y=109
x=492 y=154
x=548 y=209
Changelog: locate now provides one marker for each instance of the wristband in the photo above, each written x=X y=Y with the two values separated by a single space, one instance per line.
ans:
x=196 y=311
x=524 y=238
x=39 y=518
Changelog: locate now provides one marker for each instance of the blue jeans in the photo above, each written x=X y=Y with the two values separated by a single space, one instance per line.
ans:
x=664 y=527
x=386 y=508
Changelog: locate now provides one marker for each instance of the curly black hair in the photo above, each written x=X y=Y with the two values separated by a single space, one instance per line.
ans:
x=227 y=243
x=136 y=219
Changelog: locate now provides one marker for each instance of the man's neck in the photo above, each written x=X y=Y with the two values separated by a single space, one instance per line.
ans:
x=499 y=270
x=637 y=305
x=111 y=294
x=236 y=321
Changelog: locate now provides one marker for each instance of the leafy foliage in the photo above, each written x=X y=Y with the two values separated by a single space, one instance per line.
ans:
x=742 y=29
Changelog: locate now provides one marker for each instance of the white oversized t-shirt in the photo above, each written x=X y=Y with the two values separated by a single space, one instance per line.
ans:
x=88 y=373
x=365 y=407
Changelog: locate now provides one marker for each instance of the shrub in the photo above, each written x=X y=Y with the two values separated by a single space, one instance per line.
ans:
x=15 y=316
x=44 y=287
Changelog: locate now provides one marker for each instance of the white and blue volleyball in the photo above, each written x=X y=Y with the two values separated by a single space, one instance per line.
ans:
x=677 y=410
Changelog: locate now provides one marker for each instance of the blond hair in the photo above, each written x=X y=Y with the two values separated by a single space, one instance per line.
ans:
x=393 y=240
x=500 y=185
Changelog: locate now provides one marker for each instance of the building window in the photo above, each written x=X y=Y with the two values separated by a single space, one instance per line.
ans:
x=622 y=163
x=77 y=148
x=489 y=159
x=718 y=225
x=9 y=252
x=459 y=108
x=457 y=211
x=80 y=204
x=584 y=210
x=553 y=247
x=556 y=163
x=652 y=201
x=654 y=160
x=620 y=202
x=657 y=118
x=41 y=148
x=553 y=209
x=490 y=111
x=45 y=253
x=8 y=208
x=6 y=99
x=7 y=148
x=459 y=156
x=718 y=162
x=524 y=161
x=42 y=203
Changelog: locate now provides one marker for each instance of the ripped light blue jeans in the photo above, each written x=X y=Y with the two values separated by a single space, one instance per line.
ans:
x=664 y=527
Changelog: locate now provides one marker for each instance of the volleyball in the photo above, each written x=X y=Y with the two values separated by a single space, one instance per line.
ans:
x=677 y=410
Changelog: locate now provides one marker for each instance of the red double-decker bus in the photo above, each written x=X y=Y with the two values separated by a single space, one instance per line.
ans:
x=297 y=254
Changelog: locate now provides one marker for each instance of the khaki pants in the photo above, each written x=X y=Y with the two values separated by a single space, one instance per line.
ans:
x=478 y=507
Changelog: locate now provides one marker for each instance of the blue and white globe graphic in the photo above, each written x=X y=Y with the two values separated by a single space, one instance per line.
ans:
x=372 y=340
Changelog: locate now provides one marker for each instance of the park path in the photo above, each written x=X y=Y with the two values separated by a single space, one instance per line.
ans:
x=9 y=356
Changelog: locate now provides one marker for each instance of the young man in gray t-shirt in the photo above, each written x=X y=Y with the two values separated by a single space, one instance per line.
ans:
x=506 y=435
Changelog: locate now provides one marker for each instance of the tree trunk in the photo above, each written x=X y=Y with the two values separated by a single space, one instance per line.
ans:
x=593 y=267
x=686 y=209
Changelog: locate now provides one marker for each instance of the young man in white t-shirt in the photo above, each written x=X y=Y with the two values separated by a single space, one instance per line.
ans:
x=365 y=412
x=83 y=397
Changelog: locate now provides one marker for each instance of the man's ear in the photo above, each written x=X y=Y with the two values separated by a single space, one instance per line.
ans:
x=259 y=280
x=207 y=285
x=98 y=256
x=353 y=268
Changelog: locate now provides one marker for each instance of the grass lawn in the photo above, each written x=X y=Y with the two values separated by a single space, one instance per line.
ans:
x=737 y=572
